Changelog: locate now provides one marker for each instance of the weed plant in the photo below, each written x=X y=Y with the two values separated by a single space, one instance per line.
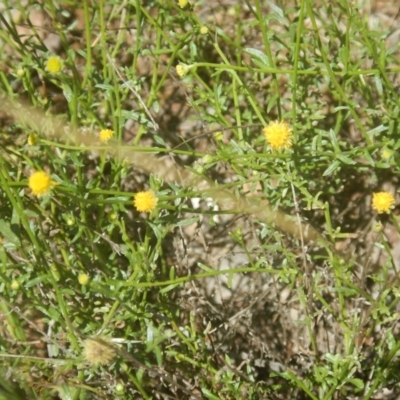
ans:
x=198 y=199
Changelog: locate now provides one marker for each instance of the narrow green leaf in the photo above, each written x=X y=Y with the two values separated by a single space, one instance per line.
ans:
x=257 y=55
x=345 y=160
x=7 y=233
x=34 y=282
x=188 y=221
x=204 y=267
x=209 y=395
x=376 y=130
x=331 y=168
x=357 y=383
x=169 y=288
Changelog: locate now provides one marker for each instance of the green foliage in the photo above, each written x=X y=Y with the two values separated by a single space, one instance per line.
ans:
x=261 y=273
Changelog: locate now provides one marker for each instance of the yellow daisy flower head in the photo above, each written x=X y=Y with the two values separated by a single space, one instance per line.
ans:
x=278 y=134
x=40 y=183
x=145 y=201
x=105 y=135
x=54 y=65
x=382 y=202
x=98 y=351
x=182 y=3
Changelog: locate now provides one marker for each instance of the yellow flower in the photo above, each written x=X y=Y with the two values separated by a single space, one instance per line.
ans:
x=386 y=153
x=32 y=139
x=20 y=72
x=54 y=65
x=382 y=202
x=377 y=226
x=278 y=135
x=218 y=136
x=83 y=279
x=182 y=69
x=145 y=201
x=207 y=159
x=182 y=3
x=98 y=351
x=204 y=30
x=105 y=135
x=112 y=216
x=70 y=220
x=40 y=183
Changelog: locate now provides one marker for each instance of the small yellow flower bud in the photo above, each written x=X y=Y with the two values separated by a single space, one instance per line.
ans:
x=20 y=72
x=218 y=136
x=32 y=139
x=386 y=153
x=204 y=30
x=83 y=279
x=207 y=159
x=182 y=3
x=199 y=168
x=120 y=388
x=112 y=216
x=182 y=69
x=377 y=227
x=70 y=221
